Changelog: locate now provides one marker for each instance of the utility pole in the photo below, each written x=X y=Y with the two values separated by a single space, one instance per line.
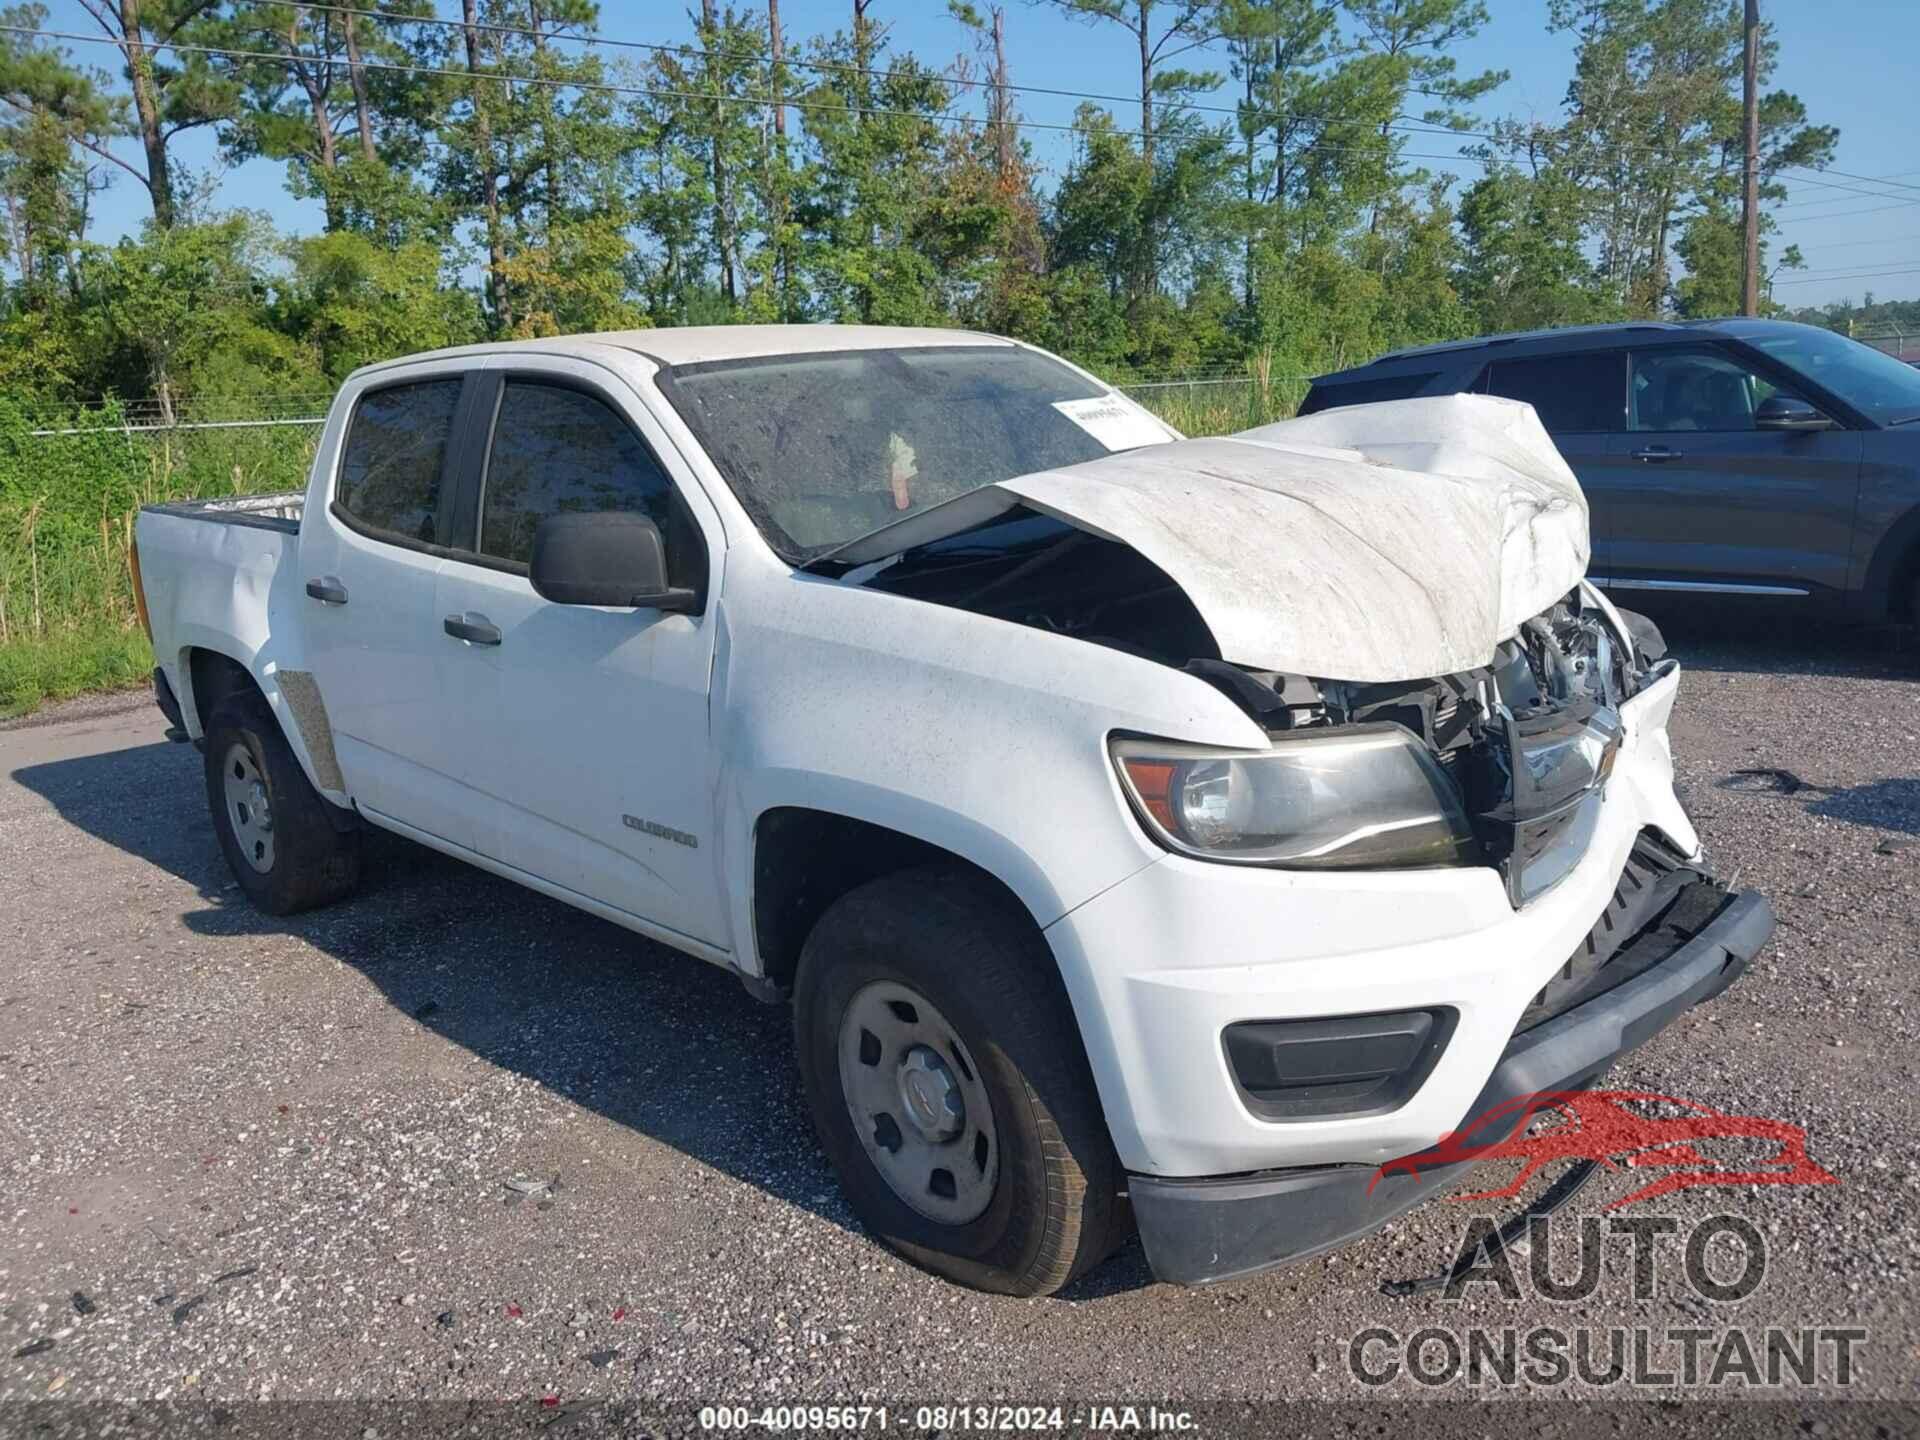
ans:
x=1750 y=216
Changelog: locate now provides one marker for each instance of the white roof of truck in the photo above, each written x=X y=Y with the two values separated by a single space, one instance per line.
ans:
x=690 y=344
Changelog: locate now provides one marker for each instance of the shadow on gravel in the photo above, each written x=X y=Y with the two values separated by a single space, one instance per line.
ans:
x=1721 y=636
x=654 y=1040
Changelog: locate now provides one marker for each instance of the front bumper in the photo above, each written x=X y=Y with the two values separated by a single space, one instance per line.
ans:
x=1160 y=965
x=1197 y=1231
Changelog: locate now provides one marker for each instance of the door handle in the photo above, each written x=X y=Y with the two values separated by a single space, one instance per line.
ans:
x=1653 y=454
x=474 y=628
x=328 y=590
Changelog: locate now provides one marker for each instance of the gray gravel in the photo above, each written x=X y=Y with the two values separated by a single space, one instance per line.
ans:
x=451 y=1139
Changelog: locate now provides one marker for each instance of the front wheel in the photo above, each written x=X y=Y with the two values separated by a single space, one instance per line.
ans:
x=273 y=826
x=948 y=1085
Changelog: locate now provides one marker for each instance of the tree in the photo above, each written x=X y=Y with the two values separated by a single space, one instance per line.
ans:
x=875 y=164
x=54 y=111
x=180 y=307
x=1414 y=36
x=168 y=98
x=355 y=300
x=1524 y=264
x=1183 y=26
x=315 y=105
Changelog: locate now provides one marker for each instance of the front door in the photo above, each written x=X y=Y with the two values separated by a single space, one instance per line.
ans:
x=1705 y=501
x=582 y=731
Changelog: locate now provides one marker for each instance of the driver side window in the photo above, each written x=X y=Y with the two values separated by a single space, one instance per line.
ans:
x=557 y=450
x=1677 y=391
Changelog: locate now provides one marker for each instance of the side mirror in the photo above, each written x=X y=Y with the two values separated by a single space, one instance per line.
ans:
x=606 y=558
x=1781 y=411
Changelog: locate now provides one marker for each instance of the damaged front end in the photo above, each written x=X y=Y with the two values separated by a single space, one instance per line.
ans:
x=1306 y=569
x=1503 y=765
x=1528 y=741
x=1499 y=765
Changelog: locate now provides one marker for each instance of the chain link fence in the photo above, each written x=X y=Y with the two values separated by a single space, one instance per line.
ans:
x=1901 y=344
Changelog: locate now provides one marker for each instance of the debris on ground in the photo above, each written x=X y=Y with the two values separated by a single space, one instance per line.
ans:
x=522 y=1189
x=1784 y=781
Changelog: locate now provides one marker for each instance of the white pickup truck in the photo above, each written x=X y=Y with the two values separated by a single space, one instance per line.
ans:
x=1146 y=831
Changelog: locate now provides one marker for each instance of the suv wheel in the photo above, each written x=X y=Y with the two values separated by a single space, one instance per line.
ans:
x=274 y=827
x=947 y=1082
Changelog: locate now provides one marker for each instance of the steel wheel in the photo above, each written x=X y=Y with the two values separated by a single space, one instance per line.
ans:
x=249 y=808
x=917 y=1103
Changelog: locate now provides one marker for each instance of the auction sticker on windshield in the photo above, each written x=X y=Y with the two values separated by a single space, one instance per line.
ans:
x=1112 y=422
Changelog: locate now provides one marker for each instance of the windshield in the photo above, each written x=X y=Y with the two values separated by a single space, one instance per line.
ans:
x=1885 y=390
x=823 y=449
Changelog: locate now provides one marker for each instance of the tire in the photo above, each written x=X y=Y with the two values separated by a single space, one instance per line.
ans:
x=299 y=859
x=1042 y=1176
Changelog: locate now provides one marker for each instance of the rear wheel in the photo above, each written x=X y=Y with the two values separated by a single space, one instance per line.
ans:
x=274 y=828
x=948 y=1085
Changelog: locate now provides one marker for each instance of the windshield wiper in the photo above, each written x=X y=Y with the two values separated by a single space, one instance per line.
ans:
x=1903 y=420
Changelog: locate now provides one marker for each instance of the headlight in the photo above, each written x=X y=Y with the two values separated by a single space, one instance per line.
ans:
x=1362 y=797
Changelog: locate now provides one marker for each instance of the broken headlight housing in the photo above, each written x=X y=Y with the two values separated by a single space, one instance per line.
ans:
x=1363 y=797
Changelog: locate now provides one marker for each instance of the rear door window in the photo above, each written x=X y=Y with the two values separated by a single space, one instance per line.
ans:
x=1366 y=392
x=560 y=451
x=391 y=467
x=1571 y=394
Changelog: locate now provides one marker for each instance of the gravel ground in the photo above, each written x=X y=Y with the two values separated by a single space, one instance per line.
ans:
x=451 y=1139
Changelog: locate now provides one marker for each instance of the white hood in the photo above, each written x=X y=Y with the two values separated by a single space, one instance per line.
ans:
x=1394 y=541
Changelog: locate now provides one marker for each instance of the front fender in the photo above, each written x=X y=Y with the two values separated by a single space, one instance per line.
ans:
x=980 y=737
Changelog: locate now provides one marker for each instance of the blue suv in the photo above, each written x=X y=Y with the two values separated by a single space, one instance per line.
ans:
x=1775 y=462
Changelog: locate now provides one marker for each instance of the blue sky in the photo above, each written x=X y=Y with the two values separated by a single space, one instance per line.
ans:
x=1859 y=75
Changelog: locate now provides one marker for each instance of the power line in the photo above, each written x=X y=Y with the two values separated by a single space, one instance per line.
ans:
x=1871 y=179
x=830 y=66
x=1863 y=275
x=1856 y=244
x=707 y=98
x=1859 y=270
x=834 y=67
x=1843 y=214
x=1801 y=180
x=845 y=68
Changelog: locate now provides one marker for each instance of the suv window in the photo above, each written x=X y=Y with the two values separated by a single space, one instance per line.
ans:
x=1365 y=392
x=1570 y=393
x=390 y=467
x=1694 y=390
x=561 y=451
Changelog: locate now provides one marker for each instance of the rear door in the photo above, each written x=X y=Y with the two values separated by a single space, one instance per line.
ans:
x=1709 y=503
x=1581 y=400
x=370 y=546
x=582 y=733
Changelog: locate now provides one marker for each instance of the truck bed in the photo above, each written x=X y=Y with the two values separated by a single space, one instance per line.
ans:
x=266 y=512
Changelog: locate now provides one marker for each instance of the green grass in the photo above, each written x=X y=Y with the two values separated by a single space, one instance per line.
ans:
x=71 y=662
x=67 y=506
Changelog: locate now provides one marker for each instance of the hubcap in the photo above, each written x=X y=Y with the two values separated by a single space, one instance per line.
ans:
x=249 y=810
x=917 y=1103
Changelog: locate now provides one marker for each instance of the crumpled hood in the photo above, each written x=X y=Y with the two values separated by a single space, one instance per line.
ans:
x=1394 y=541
